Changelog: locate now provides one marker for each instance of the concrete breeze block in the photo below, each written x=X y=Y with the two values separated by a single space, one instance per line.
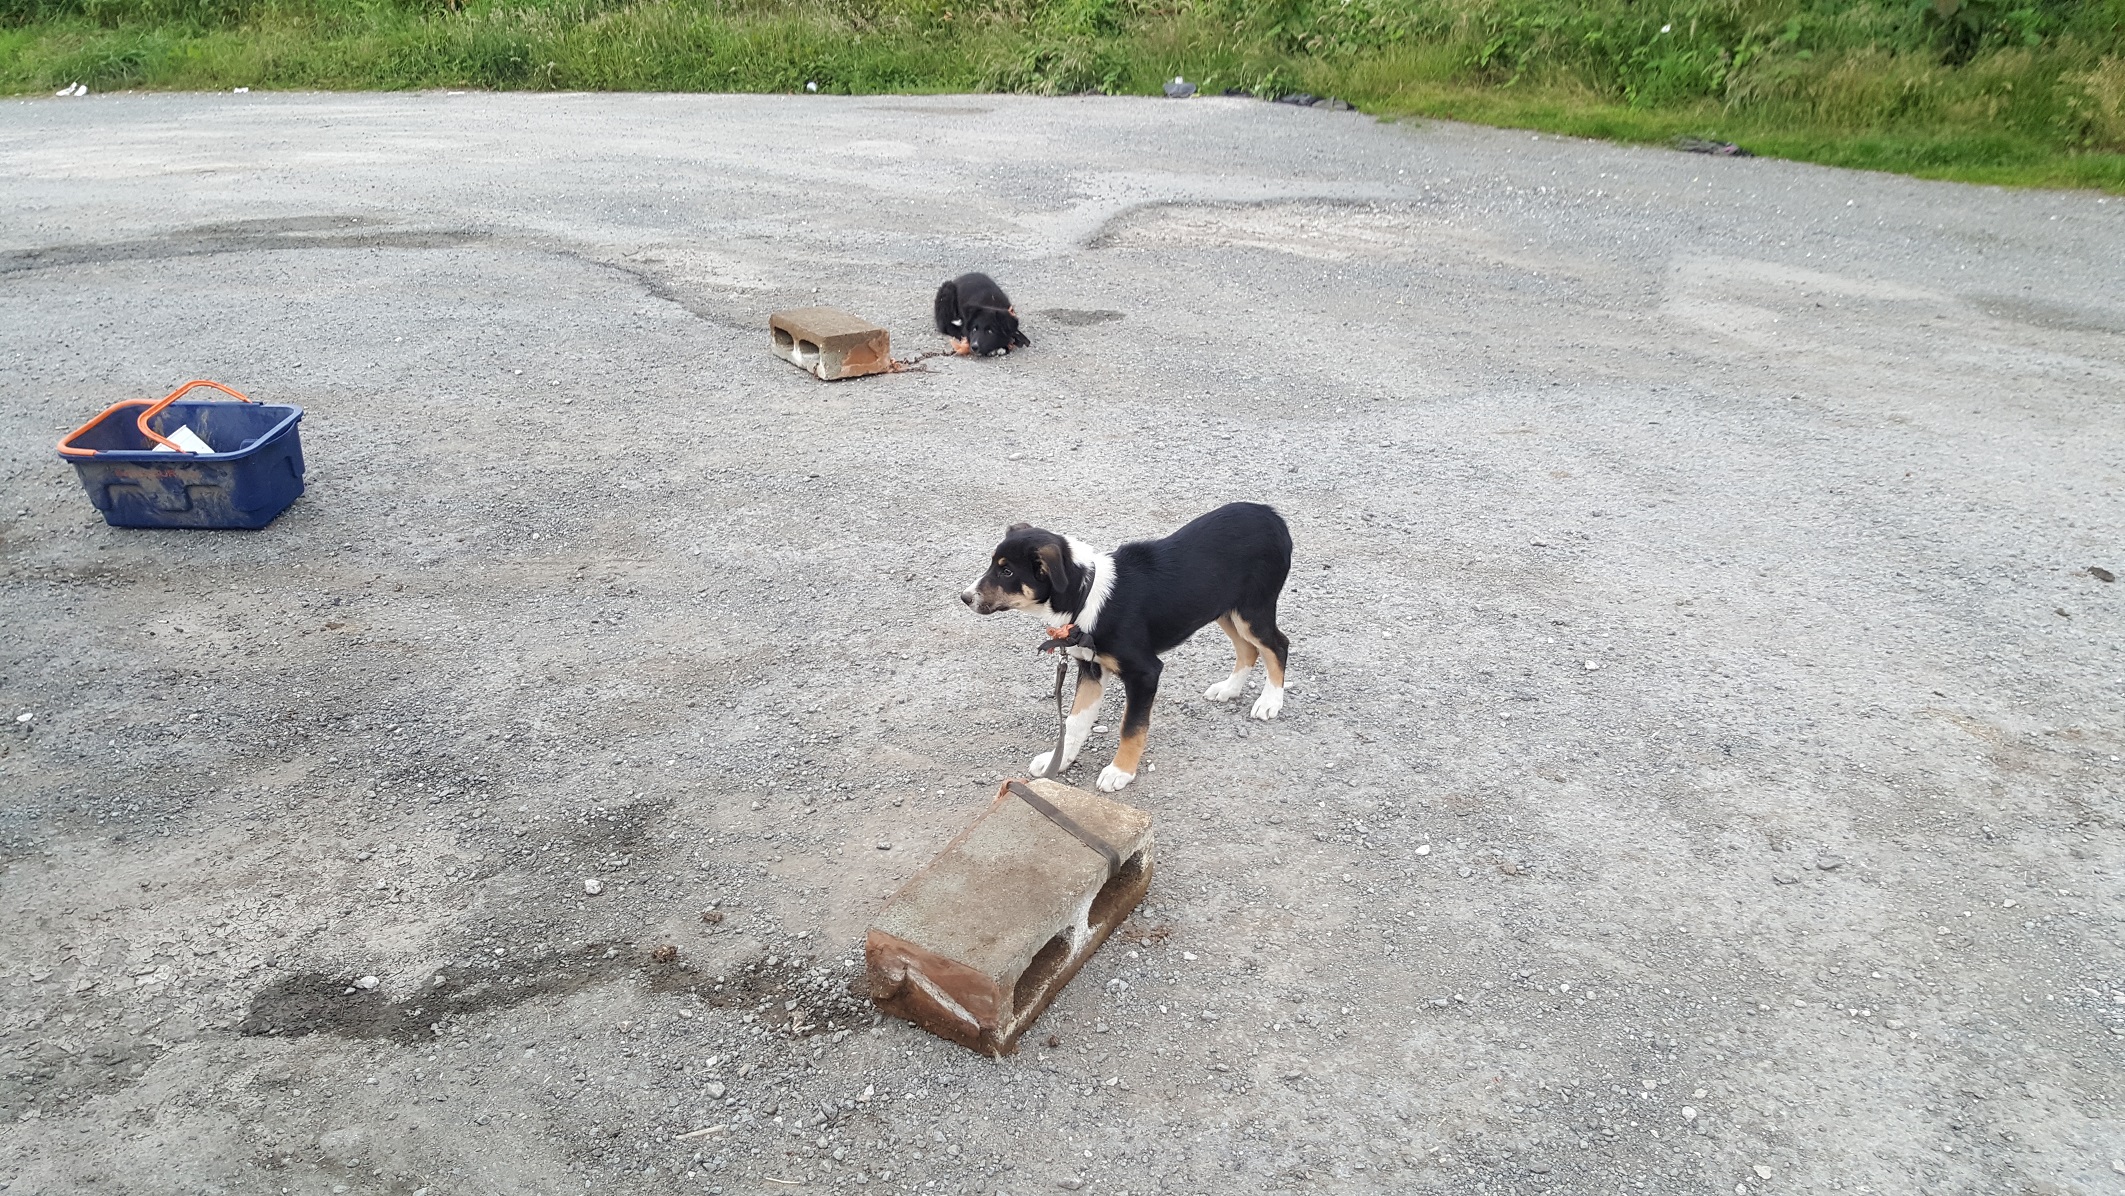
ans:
x=981 y=939
x=829 y=343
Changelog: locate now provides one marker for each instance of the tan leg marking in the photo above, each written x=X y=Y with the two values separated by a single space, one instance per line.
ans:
x=1089 y=690
x=1270 y=660
x=1131 y=751
x=1244 y=651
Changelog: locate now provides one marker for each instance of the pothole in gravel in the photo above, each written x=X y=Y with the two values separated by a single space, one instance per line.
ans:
x=1071 y=317
x=793 y=993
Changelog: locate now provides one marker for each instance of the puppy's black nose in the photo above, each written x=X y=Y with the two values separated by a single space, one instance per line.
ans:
x=967 y=597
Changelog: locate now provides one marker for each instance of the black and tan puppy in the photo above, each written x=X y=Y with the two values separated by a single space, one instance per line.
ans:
x=1145 y=598
x=978 y=316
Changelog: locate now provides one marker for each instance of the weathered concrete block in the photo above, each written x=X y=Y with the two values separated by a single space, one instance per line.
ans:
x=982 y=938
x=829 y=343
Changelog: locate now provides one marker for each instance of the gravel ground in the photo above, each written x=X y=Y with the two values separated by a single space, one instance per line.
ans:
x=1700 y=774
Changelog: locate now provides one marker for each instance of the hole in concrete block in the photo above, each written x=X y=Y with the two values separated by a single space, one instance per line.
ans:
x=1046 y=963
x=783 y=339
x=1106 y=907
x=807 y=354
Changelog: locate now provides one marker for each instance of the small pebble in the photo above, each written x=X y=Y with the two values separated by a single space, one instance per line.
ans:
x=714 y=1090
x=1467 y=872
x=367 y=983
x=1762 y=1172
x=1689 y=1114
x=664 y=953
x=884 y=846
x=1785 y=878
x=1069 y=1183
x=1592 y=665
x=1830 y=863
x=593 y=887
x=712 y=916
x=1424 y=849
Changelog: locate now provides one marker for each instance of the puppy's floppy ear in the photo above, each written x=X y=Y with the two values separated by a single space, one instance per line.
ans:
x=1016 y=527
x=1051 y=563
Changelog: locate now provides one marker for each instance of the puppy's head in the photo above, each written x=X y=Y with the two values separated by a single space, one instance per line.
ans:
x=1028 y=569
x=992 y=330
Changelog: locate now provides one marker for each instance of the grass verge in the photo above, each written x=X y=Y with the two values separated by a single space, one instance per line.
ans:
x=2015 y=92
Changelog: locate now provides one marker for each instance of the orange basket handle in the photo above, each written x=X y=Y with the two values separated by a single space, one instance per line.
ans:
x=155 y=409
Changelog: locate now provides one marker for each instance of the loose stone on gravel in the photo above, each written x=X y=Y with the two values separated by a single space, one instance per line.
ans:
x=593 y=886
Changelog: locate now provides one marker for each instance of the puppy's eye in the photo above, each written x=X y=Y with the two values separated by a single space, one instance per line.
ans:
x=1004 y=569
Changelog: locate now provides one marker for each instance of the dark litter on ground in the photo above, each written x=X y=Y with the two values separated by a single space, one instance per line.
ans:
x=1723 y=149
x=1297 y=99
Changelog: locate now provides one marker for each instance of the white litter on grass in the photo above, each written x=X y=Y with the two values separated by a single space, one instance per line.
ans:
x=73 y=89
x=242 y=91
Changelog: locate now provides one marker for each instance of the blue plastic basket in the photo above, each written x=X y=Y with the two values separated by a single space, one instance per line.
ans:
x=254 y=472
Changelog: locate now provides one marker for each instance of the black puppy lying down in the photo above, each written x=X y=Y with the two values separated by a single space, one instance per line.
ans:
x=978 y=316
x=1144 y=598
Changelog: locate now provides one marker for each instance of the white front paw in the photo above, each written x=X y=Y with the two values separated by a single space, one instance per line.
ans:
x=1270 y=704
x=1226 y=690
x=1040 y=762
x=1112 y=778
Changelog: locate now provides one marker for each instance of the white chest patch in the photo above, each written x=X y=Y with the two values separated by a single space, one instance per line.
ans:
x=1101 y=566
